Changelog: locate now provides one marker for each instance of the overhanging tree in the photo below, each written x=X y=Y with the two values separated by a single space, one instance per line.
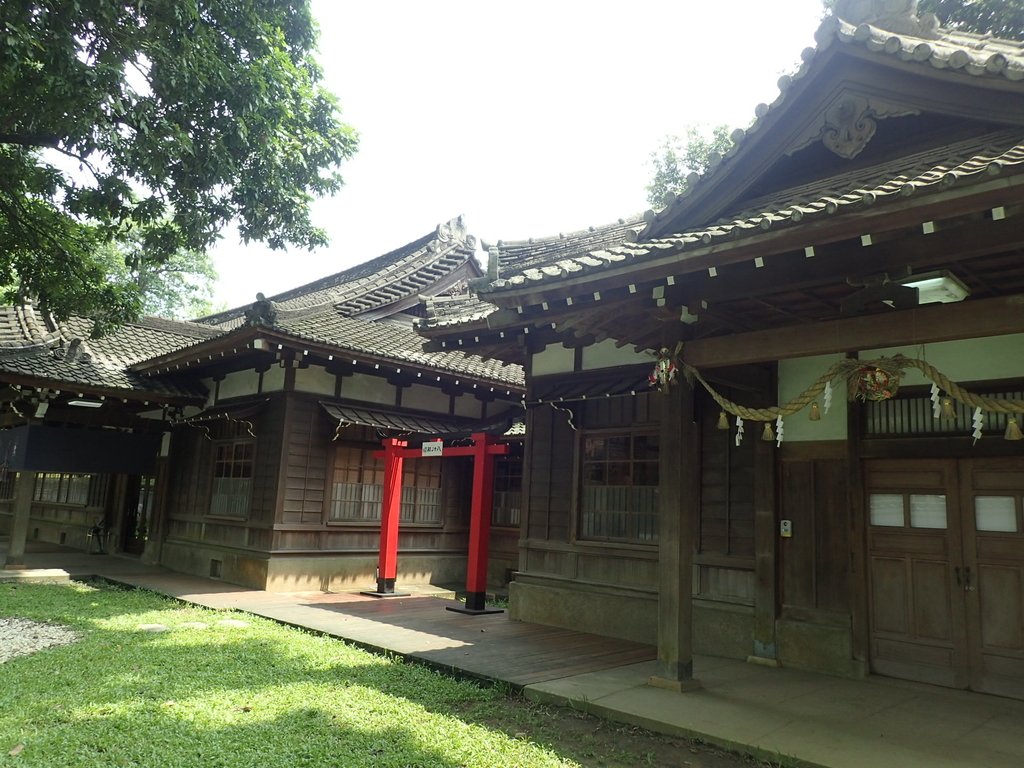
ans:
x=1002 y=18
x=679 y=156
x=178 y=286
x=171 y=117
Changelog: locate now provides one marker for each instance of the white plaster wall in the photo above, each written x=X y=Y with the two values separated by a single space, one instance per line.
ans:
x=211 y=390
x=273 y=379
x=238 y=383
x=993 y=357
x=371 y=389
x=424 y=398
x=554 y=359
x=469 y=406
x=314 y=379
x=605 y=354
x=794 y=377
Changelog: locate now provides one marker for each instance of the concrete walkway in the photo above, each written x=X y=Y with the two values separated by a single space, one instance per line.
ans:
x=819 y=720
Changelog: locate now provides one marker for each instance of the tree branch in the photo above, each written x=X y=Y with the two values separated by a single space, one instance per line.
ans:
x=30 y=139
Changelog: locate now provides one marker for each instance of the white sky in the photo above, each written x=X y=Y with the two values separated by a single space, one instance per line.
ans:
x=530 y=118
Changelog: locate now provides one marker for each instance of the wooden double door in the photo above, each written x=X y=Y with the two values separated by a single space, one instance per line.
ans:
x=946 y=571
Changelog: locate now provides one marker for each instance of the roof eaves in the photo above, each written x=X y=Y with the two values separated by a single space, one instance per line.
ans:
x=970 y=172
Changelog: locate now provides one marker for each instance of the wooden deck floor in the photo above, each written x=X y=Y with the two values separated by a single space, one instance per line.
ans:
x=490 y=646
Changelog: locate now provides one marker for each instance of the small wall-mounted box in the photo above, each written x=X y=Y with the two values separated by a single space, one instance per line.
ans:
x=785 y=528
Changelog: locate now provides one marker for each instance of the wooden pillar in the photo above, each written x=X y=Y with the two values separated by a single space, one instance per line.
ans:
x=678 y=511
x=387 y=563
x=765 y=545
x=23 y=487
x=858 y=578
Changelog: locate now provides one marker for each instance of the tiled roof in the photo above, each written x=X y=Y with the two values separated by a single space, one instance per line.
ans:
x=910 y=40
x=520 y=256
x=384 y=338
x=959 y=165
x=385 y=280
x=445 y=311
x=33 y=345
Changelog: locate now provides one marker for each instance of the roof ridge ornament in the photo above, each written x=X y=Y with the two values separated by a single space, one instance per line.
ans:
x=899 y=16
x=261 y=312
x=454 y=230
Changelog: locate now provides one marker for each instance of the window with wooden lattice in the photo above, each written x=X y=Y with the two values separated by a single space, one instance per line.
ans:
x=619 y=487
x=357 y=488
x=232 y=478
x=508 y=489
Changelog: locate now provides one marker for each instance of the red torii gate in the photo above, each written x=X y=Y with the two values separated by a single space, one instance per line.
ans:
x=485 y=447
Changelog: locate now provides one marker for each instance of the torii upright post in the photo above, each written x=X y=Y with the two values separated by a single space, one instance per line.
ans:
x=387 y=562
x=485 y=449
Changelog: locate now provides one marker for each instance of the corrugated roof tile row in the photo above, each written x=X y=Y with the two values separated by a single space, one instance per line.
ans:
x=397 y=342
x=384 y=280
x=992 y=155
x=33 y=345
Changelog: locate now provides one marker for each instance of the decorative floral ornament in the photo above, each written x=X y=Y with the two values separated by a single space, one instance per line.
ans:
x=870 y=383
x=664 y=374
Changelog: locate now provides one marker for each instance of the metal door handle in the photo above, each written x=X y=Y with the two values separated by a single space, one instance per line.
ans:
x=956 y=570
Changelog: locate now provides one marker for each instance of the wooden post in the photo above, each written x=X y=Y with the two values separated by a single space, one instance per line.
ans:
x=23 y=486
x=485 y=449
x=387 y=563
x=858 y=578
x=679 y=486
x=765 y=544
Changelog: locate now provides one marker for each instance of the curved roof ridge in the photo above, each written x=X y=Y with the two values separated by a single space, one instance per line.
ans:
x=625 y=221
x=331 y=290
x=26 y=327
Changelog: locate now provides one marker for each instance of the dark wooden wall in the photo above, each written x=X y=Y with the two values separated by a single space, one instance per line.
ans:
x=306 y=462
x=191 y=474
x=550 y=545
x=815 y=561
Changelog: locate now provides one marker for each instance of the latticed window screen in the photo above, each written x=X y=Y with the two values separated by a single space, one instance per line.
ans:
x=7 y=480
x=911 y=413
x=358 y=488
x=69 y=488
x=232 y=478
x=619 y=487
x=508 y=491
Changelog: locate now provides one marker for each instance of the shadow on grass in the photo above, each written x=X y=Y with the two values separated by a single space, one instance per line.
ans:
x=227 y=695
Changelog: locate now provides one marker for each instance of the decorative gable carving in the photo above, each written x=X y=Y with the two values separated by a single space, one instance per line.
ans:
x=898 y=16
x=848 y=123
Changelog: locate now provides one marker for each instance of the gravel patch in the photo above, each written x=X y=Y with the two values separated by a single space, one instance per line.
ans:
x=20 y=637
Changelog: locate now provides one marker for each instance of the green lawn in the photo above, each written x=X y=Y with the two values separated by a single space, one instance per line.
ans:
x=207 y=694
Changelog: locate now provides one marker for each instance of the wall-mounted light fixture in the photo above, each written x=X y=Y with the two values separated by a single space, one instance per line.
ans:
x=941 y=286
x=81 y=403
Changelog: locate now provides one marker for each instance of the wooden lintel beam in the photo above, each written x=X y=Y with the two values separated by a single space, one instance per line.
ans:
x=923 y=325
x=852 y=259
